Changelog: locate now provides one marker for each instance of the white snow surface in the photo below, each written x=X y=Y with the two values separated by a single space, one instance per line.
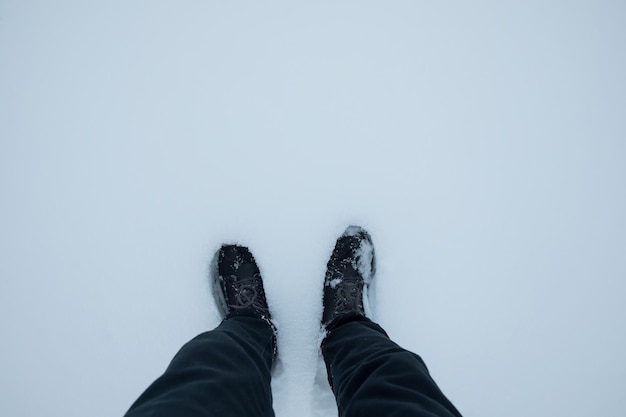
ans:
x=481 y=145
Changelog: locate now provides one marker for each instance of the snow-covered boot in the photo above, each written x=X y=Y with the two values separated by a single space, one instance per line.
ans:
x=237 y=284
x=349 y=273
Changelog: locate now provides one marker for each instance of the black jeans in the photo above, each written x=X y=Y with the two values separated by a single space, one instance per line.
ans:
x=227 y=372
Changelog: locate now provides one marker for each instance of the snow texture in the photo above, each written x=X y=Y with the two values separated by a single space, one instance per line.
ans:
x=481 y=145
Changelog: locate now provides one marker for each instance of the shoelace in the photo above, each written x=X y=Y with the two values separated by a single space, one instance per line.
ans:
x=247 y=294
x=348 y=297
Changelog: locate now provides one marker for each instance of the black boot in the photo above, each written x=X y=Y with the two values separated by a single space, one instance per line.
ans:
x=349 y=273
x=237 y=284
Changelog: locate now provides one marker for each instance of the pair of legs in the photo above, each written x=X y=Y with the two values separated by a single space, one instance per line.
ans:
x=227 y=371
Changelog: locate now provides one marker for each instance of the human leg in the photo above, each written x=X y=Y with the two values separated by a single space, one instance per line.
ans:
x=370 y=375
x=223 y=372
x=226 y=371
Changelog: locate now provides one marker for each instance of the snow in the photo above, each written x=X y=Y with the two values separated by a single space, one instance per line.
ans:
x=481 y=145
x=334 y=282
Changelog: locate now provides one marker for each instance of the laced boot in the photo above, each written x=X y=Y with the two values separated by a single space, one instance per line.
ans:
x=349 y=272
x=237 y=284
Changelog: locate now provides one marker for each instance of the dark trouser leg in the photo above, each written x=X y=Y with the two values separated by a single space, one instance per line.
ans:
x=224 y=372
x=372 y=376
